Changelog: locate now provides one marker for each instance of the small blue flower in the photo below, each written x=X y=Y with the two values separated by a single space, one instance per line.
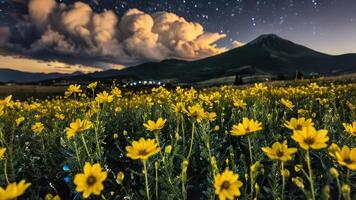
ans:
x=66 y=168
x=67 y=179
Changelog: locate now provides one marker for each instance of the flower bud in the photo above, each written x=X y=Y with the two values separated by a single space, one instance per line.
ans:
x=334 y=173
x=168 y=149
x=326 y=192
x=254 y=167
x=298 y=167
x=285 y=173
x=346 y=190
x=298 y=182
x=120 y=177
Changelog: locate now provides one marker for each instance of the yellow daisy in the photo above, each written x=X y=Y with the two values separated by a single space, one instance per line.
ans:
x=298 y=124
x=227 y=185
x=155 y=126
x=246 y=127
x=14 y=190
x=309 y=137
x=91 y=181
x=279 y=151
x=142 y=149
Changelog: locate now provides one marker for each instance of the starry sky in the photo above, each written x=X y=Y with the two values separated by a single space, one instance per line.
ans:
x=315 y=23
x=324 y=25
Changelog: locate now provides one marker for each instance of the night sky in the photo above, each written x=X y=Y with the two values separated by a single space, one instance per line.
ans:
x=324 y=25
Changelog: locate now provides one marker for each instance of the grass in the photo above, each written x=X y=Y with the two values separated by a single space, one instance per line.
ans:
x=196 y=141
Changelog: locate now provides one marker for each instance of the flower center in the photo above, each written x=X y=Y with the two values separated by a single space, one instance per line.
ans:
x=298 y=127
x=309 y=141
x=347 y=160
x=142 y=152
x=91 y=180
x=225 y=185
x=279 y=153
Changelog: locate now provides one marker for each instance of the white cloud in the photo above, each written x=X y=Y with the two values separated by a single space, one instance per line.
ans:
x=236 y=44
x=77 y=30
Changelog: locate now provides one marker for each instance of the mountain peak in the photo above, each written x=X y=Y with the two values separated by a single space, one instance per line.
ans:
x=266 y=38
x=272 y=43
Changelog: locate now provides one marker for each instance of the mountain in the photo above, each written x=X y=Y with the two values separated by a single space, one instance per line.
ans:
x=268 y=56
x=9 y=75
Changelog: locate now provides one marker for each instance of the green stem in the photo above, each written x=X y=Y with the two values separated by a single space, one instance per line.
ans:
x=146 y=179
x=86 y=147
x=96 y=130
x=310 y=176
x=283 y=180
x=77 y=154
x=339 y=188
x=156 y=171
x=191 y=141
x=251 y=160
x=5 y=172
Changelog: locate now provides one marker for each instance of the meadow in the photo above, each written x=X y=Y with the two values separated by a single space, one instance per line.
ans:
x=263 y=141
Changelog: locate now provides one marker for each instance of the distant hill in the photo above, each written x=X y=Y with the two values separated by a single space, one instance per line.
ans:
x=9 y=75
x=268 y=55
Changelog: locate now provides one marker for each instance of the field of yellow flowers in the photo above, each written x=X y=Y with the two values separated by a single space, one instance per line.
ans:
x=293 y=141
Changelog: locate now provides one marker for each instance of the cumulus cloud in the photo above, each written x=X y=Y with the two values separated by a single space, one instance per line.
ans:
x=236 y=44
x=136 y=36
x=39 y=11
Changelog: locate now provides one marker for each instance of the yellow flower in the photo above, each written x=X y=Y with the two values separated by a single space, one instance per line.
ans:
x=51 y=197
x=91 y=181
x=239 y=103
x=118 y=109
x=347 y=157
x=179 y=108
x=246 y=127
x=279 y=151
x=350 y=128
x=298 y=124
x=104 y=97
x=260 y=86
x=73 y=89
x=19 y=120
x=59 y=116
x=116 y=92
x=77 y=127
x=196 y=112
x=298 y=182
x=2 y=111
x=2 y=153
x=216 y=128
x=155 y=126
x=14 y=190
x=287 y=103
x=309 y=137
x=227 y=185
x=37 y=127
x=332 y=149
x=6 y=102
x=93 y=85
x=211 y=116
x=142 y=149
x=120 y=177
